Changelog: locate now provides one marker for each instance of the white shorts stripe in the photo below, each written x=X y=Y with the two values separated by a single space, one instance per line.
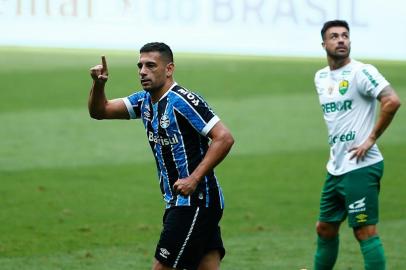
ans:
x=187 y=238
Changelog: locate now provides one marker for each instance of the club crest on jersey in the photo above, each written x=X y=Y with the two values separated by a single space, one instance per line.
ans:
x=343 y=87
x=164 y=121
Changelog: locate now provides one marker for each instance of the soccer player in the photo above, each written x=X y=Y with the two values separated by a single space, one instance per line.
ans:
x=348 y=91
x=179 y=125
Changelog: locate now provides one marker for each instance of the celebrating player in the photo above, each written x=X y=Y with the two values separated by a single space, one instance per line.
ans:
x=348 y=91
x=179 y=125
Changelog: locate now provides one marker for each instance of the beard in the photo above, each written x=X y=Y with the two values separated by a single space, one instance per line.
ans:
x=153 y=88
x=336 y=55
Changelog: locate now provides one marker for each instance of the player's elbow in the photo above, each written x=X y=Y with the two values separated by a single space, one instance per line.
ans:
x=222 y=136
x=391 y=104
x=228 y=140
x=397 y=103
x=394 y=104
x=96 y=115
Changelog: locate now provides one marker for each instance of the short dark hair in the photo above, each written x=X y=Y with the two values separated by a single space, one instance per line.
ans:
x=160 y=47
x=333 y=23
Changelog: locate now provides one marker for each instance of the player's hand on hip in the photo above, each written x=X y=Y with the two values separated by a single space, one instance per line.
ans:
x=100 y=73
x=360 y=151
x=185 y=186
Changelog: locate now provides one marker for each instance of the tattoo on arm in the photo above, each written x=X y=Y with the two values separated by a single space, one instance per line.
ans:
x=387 y=91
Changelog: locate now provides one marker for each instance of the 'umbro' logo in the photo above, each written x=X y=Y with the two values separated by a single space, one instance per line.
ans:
x=164 y=252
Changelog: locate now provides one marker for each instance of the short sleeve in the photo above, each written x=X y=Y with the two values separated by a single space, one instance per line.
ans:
x=196 y=110
x=370 y=81
x=133 y=104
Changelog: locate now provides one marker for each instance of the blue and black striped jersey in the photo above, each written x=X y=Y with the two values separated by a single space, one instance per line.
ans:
x=177 y=127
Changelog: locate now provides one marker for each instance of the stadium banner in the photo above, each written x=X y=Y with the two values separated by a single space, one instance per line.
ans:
x=259 y=27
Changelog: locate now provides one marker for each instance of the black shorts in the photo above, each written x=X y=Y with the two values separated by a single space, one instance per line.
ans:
x=188 y=234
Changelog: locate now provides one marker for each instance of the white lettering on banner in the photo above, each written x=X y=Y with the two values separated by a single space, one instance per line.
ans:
x=67 y=8
x=166 y=10
x=285 y=9
x=181 y=11
x=254 y=9
x=222 y=11
x=319 y=10
x=266 y=12
x=220 y=26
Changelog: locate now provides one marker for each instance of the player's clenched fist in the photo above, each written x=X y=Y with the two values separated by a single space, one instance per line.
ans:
x=100 y=72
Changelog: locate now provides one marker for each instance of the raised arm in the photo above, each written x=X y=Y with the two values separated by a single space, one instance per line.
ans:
x=99 y=106
x=390 y=103
x=221 y=142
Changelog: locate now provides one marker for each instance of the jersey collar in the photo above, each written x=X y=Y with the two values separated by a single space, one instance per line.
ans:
x=166 y=93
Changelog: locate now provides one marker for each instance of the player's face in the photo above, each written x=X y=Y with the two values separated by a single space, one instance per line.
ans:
x=153 y=71
x=337 y=42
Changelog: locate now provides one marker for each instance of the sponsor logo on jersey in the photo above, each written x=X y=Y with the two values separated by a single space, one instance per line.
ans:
x=330 y=89
x=190 y=96
x=337 y=106
x=162 y=140
x=147 y=115
x=370 y=78
x=343 y=87
x=323 y=74
x=361 y=218
x=164 y=252
x=346 y=72
x=357 y=206
x=147 y=112
x=350 y=136
x=164 y=121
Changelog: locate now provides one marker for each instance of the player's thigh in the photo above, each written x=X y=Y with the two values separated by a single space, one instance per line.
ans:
x=186 y=236
x=159 y=266
x=362 y=193
x=332 y=207
x=210 y=261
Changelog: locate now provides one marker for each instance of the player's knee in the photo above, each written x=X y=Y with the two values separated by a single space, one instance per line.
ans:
x=327 y=230
x=365 y=232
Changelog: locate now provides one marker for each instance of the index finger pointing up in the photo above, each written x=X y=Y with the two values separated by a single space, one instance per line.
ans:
x=104 y=64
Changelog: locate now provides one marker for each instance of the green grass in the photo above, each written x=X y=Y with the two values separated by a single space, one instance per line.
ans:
x=77 y=193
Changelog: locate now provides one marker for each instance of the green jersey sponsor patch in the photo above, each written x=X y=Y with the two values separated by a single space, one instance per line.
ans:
x=370 y=78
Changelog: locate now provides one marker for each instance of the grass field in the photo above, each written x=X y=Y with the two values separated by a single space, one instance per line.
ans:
x=76 y=193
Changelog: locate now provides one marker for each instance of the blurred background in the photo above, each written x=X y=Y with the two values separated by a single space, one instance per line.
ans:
x=76 y=193
x=265 y=27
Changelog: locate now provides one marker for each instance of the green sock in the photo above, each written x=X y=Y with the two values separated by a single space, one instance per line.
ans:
x=372 y=250
x=326 y=254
